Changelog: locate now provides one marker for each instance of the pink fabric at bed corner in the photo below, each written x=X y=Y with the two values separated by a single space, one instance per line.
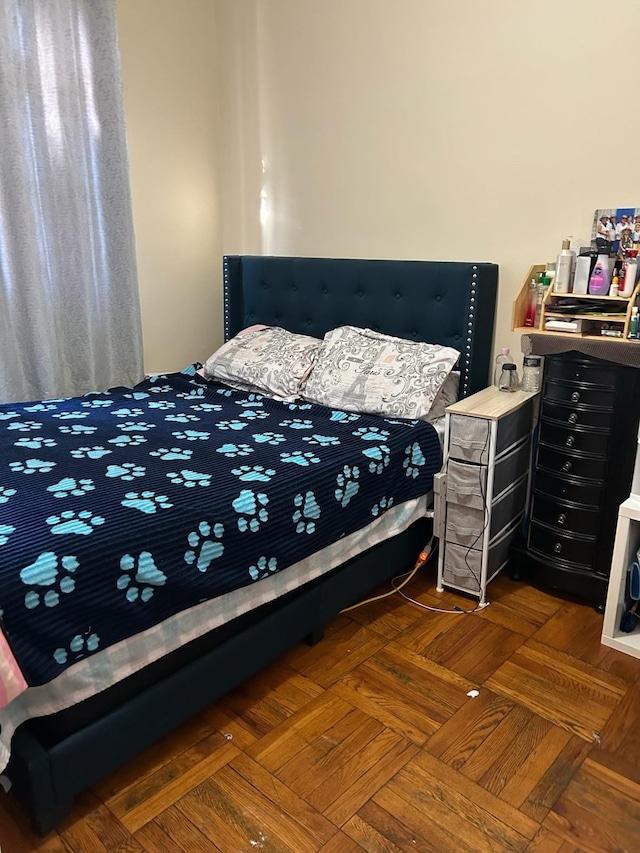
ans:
x=12 y=681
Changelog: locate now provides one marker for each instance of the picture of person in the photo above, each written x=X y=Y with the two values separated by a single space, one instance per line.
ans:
x=616 y=229
x=603 y=228
x=626 y=240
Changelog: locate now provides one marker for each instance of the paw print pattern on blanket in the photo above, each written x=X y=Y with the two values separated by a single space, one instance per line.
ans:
x=5 y=532
x=307 y=514
x=268 y=437
x=372 y=433
x=147 y=576
x=40 y=407
x=172 y=453
x=251 y=507
x=194 y=394
x=6 y=416
x=132 y=426
x=77 y=645
x=128 y=440
x=232 y=450
x=71 y=416
x=162 y=405
x=44 y=572
x=159 y=389
x=321 y=440
x=207 y=407
x=147 y=502
x=32 y=466
x=35 y=443
x=127 y=471
x=297 y=457
x=77 y=429
x=68 y=521
x=298 y=407
x=381 y=506
x=24 y=426
x=263 y=568
x=127 y=413
x=257 y=473
x=181 y=418
x=234 y=424
x=251 y=401
x=189 y=479
x=192 y=435
x=68 y=486
x=96 y=452
x=344 y=417
x=347 y=484
x=6 y=493
x=297 y=423
x=205 y=545
x=414 y=460
x=97 y=404
x=379 y=456
x=254 y=414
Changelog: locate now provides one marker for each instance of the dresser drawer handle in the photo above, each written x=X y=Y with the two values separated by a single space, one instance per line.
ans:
x=573 y=418
x=570 y=441
x=557 y=547
x=567 y=466
x=575 y=397
x=562 y=518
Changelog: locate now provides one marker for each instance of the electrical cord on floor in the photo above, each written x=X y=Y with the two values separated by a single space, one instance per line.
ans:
x=423 y=558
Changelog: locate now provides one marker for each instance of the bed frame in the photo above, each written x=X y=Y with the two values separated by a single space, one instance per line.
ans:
x=56 y=757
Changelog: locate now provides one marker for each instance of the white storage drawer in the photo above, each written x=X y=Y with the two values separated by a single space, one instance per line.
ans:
x=463 y=566
x=466 y=525
x=485 y=482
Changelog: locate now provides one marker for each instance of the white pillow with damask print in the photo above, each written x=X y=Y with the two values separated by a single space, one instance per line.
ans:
x=360 y=370
x=264 y=359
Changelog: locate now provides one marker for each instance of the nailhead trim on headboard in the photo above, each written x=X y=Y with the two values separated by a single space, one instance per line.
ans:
x=451 y=303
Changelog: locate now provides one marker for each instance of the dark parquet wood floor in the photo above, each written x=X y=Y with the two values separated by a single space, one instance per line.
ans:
x=369 y=742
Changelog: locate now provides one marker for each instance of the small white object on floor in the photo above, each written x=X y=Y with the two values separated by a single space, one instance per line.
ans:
x=473 y=693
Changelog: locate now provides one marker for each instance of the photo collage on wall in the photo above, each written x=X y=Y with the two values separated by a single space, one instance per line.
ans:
x=616 y=228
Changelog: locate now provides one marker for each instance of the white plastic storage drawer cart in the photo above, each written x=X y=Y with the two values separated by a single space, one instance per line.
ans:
x=482 y=491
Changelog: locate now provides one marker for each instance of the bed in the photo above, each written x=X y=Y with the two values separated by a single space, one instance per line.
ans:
x=452 y=304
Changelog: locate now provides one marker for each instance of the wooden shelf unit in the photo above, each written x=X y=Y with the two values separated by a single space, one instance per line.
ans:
x=521 y=305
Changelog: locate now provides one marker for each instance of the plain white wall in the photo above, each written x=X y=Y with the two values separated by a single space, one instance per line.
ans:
x=364 y=128
x=422 y=129
x=171 y=82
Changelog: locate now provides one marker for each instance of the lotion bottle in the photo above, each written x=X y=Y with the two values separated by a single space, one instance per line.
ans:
x=601 y=276
x=564 y=269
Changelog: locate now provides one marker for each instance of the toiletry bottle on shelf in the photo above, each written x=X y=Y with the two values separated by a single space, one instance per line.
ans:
x=531 y=373
x=600 y=279
x=630 y=273
x=614 y=290
x=503 y=357
x=583 y=272
x=564 y=269
x=531 y=316
x=543 y=284
x=509 y=380
x=633 y=325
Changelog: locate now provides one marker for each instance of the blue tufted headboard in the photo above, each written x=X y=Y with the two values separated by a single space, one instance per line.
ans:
x=435 y=301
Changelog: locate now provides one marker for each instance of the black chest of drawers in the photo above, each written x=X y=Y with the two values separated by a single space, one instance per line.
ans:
x=582 y=472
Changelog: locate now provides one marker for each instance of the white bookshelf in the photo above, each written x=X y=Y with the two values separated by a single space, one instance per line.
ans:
x=627 y=543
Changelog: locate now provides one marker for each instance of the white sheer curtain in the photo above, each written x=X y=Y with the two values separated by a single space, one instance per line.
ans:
x=69 y=307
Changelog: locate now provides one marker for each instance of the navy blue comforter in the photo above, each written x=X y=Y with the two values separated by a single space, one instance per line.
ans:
x=119 y=509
